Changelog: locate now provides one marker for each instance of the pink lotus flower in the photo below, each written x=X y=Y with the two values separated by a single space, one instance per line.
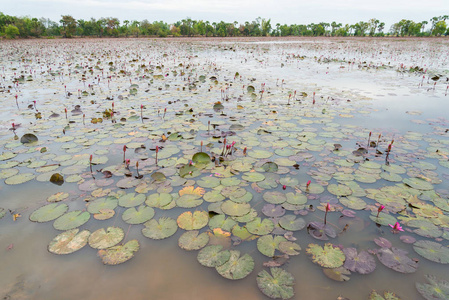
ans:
x=381 y=208
x=308 y=183
x=396 y=227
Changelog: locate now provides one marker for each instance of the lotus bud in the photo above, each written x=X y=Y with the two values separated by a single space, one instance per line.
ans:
x=308 y=183
x=284 y=187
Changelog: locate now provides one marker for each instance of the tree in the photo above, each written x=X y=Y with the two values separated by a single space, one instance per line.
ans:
x=68 y=26
x=439 y=28
x=11 y=31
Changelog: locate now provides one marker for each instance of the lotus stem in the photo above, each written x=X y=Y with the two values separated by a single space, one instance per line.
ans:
x=124 y=153
x=328 y=208
x=157 y=150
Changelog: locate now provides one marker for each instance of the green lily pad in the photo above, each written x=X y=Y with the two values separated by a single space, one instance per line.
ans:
x=102 y=239
x=19 y=178
x=213 y=256
x=383 y=219
x=201 y=158
x=289 y=248
x=49 y=212
x=69 y=241
x=337 y=274
x=328 y=256
x=95 y=206
x=353 y=202
x=434 y=290
x=71 y=220
x=208 y=182
x=138 y=216
x=189 y=201
x=192 y=240
x=232 y=208
x=158 y=200
x=390 y=176
x=418 y=183
x=339 y=190
x=119 y=254
x=220 y=221
x=259 y=226
x=387 y=296
x=425 y=228
x=277 y=285
x=236 y=267
x=195 y=221
x=259 y=154
x=268 y=244
x=274 y=197
x=131 y=200
x=291 y=223
x=432 y=251
x=160 y=229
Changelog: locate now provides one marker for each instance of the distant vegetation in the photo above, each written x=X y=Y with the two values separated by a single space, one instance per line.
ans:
x=67 y=27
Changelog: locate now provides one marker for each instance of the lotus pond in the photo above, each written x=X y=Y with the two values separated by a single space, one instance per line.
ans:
x=244 y=169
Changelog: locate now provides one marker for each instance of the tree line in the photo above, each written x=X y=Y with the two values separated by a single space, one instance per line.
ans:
x=67 y=27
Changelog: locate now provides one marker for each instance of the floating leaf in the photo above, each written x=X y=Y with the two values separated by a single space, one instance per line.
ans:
x=397 y=260
x=119 y=254
x=290 y=222
x=236 y=267
x=260 y=227
x=328 y=256
x=192 y=240
x=49 y=212
x=362 y=262
x=71 y=220
x=321 y=231
x=69 y=241
x=102 y=239
x=337 y=274
x=434 y=290
x=267 y=244
x=213 y=256
x=195 y=221
x=235 y=209
x=160 y=229
x=289 y=248
x=432 y=251
x=131 y=200
x=339 y=189
x=97 y=205
x=138 y=216
x=271 y=210
x=277 y=285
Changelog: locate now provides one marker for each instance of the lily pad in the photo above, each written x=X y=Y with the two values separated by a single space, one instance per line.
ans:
x=432 y=251
x=138 y=216
x=434 y=290
x=268 y=244
x=160 y=229
x=328 y=256
x=271 y=210
x=260 y=227
x=213 y=256
x=71 y=220
x=69 y=241
x=397 y=260
x=195 y=221
x=337 y=274
x=277 y=285
x=97 y=205
x=28 y=138
x=234 y=209
x=236 y=267
x=292 y=223
x=49 y=212
x=339 y=189
x=418 y=183
x=119 y=254
x=362 y=262
x=321 y=231
x=131 y=200
x=102 y=239
x=192 y=240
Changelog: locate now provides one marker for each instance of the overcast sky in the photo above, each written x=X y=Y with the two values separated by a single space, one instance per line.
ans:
x=279 y=11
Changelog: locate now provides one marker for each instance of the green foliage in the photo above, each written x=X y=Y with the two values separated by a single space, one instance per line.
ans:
x=11 y=31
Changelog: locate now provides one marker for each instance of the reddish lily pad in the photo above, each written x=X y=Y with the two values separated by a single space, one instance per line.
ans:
x=362 y=262
x=397 y=260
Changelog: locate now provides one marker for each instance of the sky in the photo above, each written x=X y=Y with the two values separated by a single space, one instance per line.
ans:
x=279 y=11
